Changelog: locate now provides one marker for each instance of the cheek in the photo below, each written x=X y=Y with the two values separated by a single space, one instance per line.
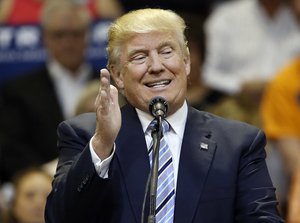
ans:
x=133 y=74
x=79 y=46
x=176 y=64
x=23 y=202
x=21 y=207
x=180 y=70
x=130 y=84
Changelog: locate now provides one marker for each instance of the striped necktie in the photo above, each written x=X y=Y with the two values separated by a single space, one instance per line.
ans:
x=165 y=200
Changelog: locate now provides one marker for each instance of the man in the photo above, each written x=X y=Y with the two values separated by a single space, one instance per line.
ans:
x=34 y=104
x=104 y=163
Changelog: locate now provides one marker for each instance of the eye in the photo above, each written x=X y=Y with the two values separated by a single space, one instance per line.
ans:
x=166 y=52
x=29 y=195
x=138 y=58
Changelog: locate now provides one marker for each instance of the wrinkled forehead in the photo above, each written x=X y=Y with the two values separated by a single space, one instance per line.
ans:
x=151 y=40
x=157 y=35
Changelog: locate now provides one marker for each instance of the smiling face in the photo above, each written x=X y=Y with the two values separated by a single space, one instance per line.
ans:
x=153 y=64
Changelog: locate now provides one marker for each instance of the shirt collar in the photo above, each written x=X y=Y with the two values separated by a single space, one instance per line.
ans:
x=177 y=120
x=59 y=73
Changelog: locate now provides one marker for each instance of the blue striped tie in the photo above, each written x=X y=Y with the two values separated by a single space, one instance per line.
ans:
x=165 y=200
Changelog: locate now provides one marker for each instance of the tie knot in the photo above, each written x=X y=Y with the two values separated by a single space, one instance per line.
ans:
x=165 y=125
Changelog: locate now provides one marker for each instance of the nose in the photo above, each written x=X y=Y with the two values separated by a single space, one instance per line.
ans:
x=155 y=64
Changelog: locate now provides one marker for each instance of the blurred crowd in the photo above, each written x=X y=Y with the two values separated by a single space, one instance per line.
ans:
x=245 y=65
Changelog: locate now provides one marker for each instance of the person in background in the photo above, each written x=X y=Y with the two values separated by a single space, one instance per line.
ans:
x=247 y=42
x=31 y=187
x=214 y=168
x=199 y=95
x=32 y=105
x=280 y=109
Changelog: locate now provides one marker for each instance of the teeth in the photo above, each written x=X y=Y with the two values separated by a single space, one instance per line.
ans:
x=158 y=84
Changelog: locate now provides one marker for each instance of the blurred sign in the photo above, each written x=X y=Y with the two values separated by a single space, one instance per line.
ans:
x=21 y=48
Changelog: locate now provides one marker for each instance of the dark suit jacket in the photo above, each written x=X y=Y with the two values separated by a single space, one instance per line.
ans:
x=29 y=115
x=228 y=182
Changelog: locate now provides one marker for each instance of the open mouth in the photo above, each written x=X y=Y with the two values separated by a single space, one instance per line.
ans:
x=158 y=84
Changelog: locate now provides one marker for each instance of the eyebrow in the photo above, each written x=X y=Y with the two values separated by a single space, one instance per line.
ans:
x=143 y=50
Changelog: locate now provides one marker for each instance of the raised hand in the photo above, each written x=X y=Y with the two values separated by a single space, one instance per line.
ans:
x=108 y=116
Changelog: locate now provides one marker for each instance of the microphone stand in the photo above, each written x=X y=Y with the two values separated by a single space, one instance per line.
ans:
x=156 y=135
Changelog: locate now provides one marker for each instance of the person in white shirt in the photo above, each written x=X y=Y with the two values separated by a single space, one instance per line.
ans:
x=247 y=42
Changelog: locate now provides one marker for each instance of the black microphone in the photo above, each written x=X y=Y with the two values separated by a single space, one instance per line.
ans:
x=158 y=107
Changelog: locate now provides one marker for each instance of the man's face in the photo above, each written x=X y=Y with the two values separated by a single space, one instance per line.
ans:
x=65 y=39
x=152 y=65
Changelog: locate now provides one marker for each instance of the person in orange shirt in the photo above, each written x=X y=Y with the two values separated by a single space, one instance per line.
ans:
x=280 y=113
x=281 y=104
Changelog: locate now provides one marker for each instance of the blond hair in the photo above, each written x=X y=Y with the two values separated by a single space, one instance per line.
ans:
x=143 y=21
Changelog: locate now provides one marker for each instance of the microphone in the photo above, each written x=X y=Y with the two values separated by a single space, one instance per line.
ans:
x=158 y=107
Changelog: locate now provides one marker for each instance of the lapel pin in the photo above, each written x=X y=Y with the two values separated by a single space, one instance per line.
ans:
x=204 y=146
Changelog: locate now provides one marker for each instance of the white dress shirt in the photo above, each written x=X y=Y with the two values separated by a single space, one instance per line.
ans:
x=68 y=86
x=244 y=44
x=174 y=139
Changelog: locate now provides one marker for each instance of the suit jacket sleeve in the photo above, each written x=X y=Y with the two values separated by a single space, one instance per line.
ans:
x=256 y=200
x=78 y=194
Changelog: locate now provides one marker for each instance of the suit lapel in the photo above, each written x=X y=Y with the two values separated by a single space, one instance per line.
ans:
x=197 y=153
x=133 y=158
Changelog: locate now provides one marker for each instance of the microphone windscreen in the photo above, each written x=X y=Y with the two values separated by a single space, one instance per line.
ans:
x=158 y=106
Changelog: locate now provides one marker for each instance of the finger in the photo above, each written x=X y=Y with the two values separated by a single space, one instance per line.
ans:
x=96 y=104
x=104 y=102
x=104 y=80
x=114 y=95
x=103 y=98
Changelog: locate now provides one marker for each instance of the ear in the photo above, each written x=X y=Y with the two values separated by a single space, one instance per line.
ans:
x=187 y=64
x=117 y=76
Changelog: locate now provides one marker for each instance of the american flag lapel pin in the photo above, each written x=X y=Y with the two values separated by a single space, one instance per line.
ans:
x=204 y=146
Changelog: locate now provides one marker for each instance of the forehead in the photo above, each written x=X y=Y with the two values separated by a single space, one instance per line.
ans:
x=34 y=179
x=65 y=19
x=152 y=40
